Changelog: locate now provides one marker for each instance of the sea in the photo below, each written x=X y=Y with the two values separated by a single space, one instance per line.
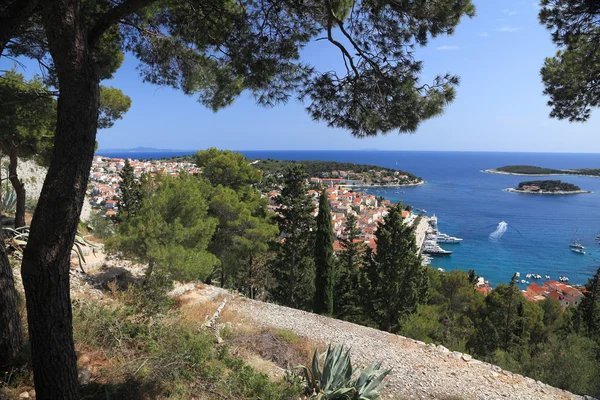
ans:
x=503 y=232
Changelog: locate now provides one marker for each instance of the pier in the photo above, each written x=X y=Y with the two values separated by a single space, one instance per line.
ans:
x=421 y=231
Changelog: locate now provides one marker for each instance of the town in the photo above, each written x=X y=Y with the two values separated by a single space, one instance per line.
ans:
x=368 y=209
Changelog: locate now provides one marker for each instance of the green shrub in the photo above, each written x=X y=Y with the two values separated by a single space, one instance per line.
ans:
x=286 y=335
x=163 y=358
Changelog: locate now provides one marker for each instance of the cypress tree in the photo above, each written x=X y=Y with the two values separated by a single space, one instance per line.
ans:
x=294 y=269
x=346 y=302
x=324 y=259
x=131 y=194
x=589 y=307
x=396 y=282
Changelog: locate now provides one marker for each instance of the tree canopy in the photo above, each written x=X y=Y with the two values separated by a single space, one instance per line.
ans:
x=571 y=77
x=171 y=231
x=216 y=50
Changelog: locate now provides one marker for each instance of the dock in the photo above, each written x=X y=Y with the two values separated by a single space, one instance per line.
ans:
x=420 y=232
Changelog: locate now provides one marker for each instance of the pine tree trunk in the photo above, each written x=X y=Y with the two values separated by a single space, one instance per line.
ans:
x=46 y=259
x=18 y=186
x=11 y=337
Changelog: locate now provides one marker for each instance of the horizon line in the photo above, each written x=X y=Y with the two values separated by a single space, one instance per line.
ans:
x=150 y=150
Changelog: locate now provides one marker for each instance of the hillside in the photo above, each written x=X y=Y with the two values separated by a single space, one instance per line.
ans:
x=323 y=169
x=420 y=371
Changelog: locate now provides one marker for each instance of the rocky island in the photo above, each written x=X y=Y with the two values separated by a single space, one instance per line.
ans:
x=547 y=187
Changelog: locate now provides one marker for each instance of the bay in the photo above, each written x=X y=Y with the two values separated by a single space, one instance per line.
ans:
x=470 y=204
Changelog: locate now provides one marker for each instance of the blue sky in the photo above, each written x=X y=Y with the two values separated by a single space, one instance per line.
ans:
x=499 y=104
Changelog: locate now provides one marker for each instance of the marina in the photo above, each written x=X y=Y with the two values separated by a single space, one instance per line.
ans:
x=430 y=236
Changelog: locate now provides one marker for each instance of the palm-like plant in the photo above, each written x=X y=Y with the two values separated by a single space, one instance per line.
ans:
x=20 y=236
x=337 y=380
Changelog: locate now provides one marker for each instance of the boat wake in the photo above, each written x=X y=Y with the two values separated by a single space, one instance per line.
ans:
x=500 y=230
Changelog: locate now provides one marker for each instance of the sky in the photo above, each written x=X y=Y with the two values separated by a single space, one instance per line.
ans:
x=499 y=104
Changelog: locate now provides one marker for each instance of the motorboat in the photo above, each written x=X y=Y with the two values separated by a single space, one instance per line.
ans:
x=577 y=250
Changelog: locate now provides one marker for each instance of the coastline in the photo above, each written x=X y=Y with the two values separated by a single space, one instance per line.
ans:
x=495 y=171
x=384 y=185
x=559 y=192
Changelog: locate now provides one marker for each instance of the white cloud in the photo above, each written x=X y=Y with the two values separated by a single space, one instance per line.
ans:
x=507 y=29
x=510 y=12
x=448 y=48
x=483 y=34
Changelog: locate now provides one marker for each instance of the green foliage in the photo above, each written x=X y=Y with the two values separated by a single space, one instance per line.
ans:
x=451 y=314
x=172 y=230
x=335 y=379
x=533 y=170
x=293 y=270
x=164 y=359
x=395 y=281
x=9 y=199
x=113 y=105
x=227 y=168
x=325 y=271
x=130 y=197
x=322 y=169
x=570 y=77
x=101 y=226
x=27 y=116
x=347 y=299
x=241 y=239
x=528 y=170
x=590 y=307
x=550 y=186
x=286 y=335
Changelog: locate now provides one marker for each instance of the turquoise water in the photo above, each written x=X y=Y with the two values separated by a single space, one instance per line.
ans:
x=470 y=204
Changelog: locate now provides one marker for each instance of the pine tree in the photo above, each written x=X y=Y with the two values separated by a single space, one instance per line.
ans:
x=590 y=307
x=396 y=282
x=346 y=303
x=294 y=268
x=324 y=259
x=131 y=193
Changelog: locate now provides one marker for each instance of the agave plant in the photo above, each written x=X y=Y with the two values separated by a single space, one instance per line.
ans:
x=337 y=380
x=9 y=200
x=20 y=236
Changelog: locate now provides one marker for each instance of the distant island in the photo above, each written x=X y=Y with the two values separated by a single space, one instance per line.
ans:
x=533 y=170
x=547 y=187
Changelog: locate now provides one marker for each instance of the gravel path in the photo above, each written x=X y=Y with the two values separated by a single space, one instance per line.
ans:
x=420 y=371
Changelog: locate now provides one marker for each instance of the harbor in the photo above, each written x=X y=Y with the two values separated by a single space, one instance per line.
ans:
x=428 y=238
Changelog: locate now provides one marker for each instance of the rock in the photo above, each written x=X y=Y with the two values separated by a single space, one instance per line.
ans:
x=466 y=357
x=443 y=349
x=456 y=354
x=24 y=395
x=84 y=375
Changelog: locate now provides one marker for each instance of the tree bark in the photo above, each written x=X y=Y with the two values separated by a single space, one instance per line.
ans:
x=46 y=259
x=18 y=186
x=11 y=337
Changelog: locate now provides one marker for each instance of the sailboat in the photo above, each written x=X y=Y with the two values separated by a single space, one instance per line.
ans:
x=575 y=244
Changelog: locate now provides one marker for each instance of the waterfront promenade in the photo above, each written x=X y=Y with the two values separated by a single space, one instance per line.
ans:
x=420 y=231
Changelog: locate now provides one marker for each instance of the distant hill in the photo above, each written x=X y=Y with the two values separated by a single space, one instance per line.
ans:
x=136 y=150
